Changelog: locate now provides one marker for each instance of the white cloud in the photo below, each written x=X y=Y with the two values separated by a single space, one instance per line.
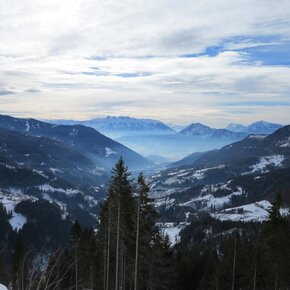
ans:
x=153 y=27
x=66 y=58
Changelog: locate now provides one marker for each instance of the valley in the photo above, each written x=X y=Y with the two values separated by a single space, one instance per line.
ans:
x=69 y=165
x=52 y=175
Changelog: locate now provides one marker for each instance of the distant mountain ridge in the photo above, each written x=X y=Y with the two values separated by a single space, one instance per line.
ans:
x=198 y=129
x=122 y=126
x=260 y=127
x=154 y=138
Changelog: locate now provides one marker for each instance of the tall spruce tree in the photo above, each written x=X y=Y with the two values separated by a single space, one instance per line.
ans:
x=153 y=253
x=131 y=252
x=115 y=239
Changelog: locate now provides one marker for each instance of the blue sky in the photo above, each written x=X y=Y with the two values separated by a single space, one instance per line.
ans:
x=186 y=61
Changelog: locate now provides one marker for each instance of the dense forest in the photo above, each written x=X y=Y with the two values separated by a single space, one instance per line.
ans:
x=126 y=249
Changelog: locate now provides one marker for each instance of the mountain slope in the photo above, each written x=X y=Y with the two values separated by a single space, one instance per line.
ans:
x=103 y=151
x=48 y=157
x=34 y=168
x=254 y=146
x=246 y=172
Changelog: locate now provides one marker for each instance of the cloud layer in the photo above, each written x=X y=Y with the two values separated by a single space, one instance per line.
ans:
x=211 y=61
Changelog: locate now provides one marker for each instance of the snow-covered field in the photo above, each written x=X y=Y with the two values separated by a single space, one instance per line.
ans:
x=172 y=230
x=17 y=220
x=209 y=200
x=261 y=166
x=258 y=211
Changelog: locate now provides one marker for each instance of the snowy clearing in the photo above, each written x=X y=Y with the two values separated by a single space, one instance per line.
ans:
x=172 y=230
x=18 y=220
x=258 y=211
x=210 y=201
x=274 y=160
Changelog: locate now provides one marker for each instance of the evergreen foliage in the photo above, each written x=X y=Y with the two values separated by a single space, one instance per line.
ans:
x=126 y=251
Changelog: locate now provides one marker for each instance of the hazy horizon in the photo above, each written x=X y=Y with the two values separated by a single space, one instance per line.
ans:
x=169 y=124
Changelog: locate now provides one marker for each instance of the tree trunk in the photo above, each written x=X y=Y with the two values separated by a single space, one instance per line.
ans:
x=117 y=248
x=105 y=260
x=76 y=278
x=108 y=250
x=234 y=265
x=137 y=247
x=255 y=277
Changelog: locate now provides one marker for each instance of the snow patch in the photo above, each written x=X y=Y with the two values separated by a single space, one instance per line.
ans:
x=39 y=172
x=48 y=188
x=274 y=160
x=258 y=211
x=171 y=180
x=27 y=126
x=210 y=201
x=8 y=166
x=18 y=220
x=91 y=200
x=257 y=136
x=55 y=170
x=164 y=201
x=172 y=230
x=109 y=151
x=74 y=133
x=286 y=143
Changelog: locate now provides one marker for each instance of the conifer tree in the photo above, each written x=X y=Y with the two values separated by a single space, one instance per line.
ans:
x=275 y=215
x=116 y=230
x=19 y=265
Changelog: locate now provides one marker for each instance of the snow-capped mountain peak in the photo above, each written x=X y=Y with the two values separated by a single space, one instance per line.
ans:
x=259 y=127
x=262 y=127
x=117 y=126
x=196 y=129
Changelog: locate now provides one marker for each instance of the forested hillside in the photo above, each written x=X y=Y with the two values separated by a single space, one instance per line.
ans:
x=127 y=250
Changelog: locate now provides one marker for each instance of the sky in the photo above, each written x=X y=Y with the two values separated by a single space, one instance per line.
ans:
x=179 y=61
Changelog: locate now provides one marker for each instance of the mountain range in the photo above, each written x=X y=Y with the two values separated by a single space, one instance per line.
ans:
x=128 y=126
x=122 y=126
x=198 y=129
x=236 y=182
x=260 y=127
x=161 y=144
x=69 y=165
